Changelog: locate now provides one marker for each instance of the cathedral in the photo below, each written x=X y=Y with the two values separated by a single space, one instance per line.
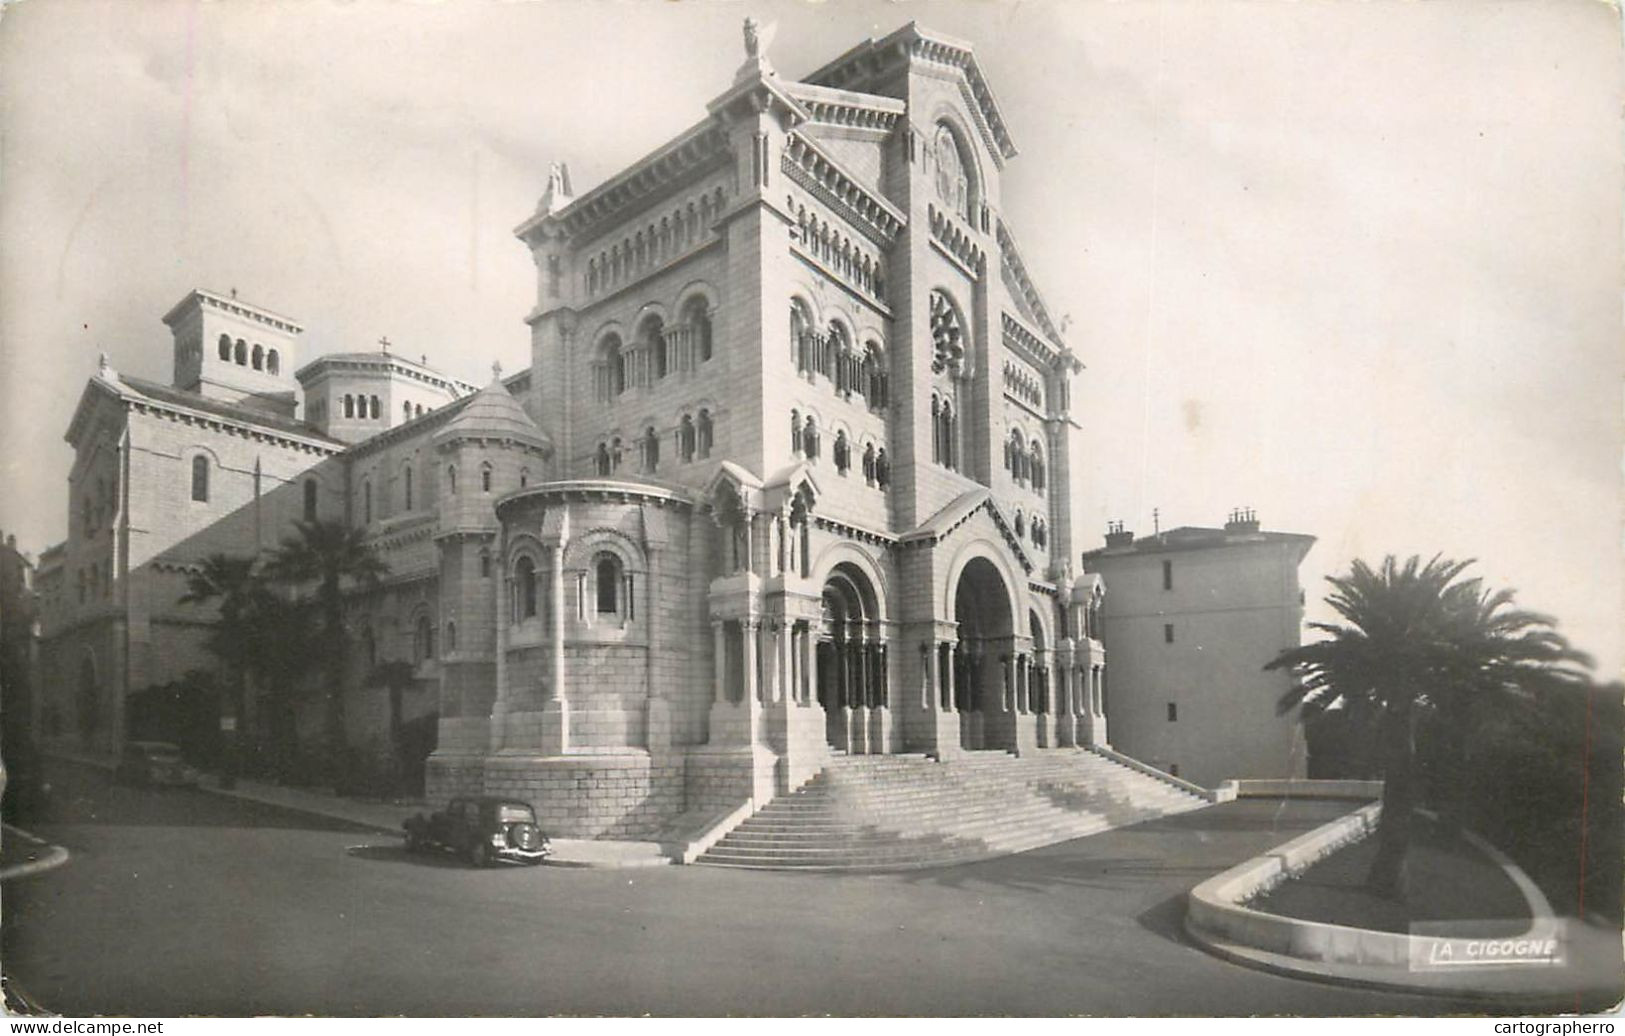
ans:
x=789 y=475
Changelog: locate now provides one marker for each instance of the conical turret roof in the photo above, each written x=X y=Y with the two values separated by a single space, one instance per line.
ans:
x=494 y=413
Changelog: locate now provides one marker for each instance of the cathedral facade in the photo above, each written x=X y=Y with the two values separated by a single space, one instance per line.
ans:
x=789 y=475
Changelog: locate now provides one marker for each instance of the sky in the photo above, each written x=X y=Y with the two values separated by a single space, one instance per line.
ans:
x=1355 y=265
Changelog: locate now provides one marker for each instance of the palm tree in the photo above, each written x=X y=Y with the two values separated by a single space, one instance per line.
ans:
x=1420 y=644
x=335 y=557
x=234 y=583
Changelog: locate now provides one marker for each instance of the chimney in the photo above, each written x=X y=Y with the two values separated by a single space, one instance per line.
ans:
x=1116 y=536
x=1242 y=519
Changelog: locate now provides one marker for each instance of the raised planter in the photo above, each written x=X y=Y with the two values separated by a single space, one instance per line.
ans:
x=1217 y=918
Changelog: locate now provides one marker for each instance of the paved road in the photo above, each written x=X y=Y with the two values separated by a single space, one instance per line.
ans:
x=181 y=902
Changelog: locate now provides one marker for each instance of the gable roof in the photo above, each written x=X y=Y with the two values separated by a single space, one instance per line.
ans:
x=945 y=522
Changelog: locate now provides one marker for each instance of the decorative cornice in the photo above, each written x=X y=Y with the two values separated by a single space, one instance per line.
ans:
x=809 y=166
x=1011 y=256
x=233 y=306
x=847 y=108
x=230 y=427
x=958 y=240
x=870 y=58
x=388 y=363
x=696 y=150
x=598 y=490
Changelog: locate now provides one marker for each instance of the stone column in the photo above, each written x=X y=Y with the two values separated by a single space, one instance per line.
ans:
x=556 y=713
x=1066 y=727
x=720 y=657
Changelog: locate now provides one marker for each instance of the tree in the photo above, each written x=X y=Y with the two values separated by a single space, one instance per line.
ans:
x=1420 y=645
x=233 y=582
x=251 y=637
x=335 y=558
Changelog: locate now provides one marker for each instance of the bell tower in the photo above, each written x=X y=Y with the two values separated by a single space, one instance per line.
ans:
x=229 y=350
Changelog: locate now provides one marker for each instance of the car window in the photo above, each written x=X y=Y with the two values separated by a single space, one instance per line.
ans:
x=471 y=812
x=515 y=815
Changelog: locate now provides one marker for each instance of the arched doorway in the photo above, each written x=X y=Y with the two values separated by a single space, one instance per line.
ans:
x=851 y=657
x=982 y=610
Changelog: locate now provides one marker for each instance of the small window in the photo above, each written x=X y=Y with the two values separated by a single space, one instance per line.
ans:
x=376 y=410
x=259 y=357
x=406 y=488
x=423 y=639
x=485 y=479
x=239 y=353
x=406 y=411
x=273 y=363
x=225 y=348
x=200 y=478
x=524 y=575
x=451 y=479
x=1173 y=712
x=485 y=564
x=1167 y=575
x=310 y=499
x=1167 y=633
x=524 y=477
x=607 y=572
x=349 y=405
x=451 y=636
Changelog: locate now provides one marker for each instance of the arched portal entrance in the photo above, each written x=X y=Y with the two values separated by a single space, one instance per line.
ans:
x=982 y=610
x=851 y=659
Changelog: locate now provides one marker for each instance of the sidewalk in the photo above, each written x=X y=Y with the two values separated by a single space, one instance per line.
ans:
x=386 y=817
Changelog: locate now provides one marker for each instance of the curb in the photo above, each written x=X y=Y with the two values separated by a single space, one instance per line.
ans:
x=1217 y=921
x=233 y=793
x=55 y=856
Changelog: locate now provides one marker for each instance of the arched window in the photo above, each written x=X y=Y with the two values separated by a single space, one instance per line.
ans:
x=809 y=438
x=607 y=576
x=842 y=453
x=882 y=468
x=451 y=636
x=949 y=342
x=258 y=361
x=685 y=439
x=601 y=459
x=1035 y=463
x=406 y=487
x=651 y=449
x=703 y=434
x=485 y=478
x=376 y=409
x=406 y=411
x=953 y=179
x=795 y=431
x=451 y=479
x=524 y=477
x=653 y=333
x=239 y=353
x=273 y=363
x=225 y=348
x=801 y=337
x=366 y=501
x=698 y=317
x=615 y=454
x=869 y=464
x=349 y=405
x=1021 y=523
x=876 y=383
x=948 y=443
x=485 y=564
x=524 y=590
x=614 y=361
x=200 y=478
x=417 y=410
x=310 y=499
x=423 y=640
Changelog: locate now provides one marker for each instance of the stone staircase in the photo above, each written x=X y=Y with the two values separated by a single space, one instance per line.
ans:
x=883 y=812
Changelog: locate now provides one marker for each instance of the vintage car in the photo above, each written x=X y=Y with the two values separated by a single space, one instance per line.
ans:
x=483 y=830
x=154 y=763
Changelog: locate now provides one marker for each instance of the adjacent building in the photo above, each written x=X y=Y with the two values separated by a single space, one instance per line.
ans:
x=1189 y=619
